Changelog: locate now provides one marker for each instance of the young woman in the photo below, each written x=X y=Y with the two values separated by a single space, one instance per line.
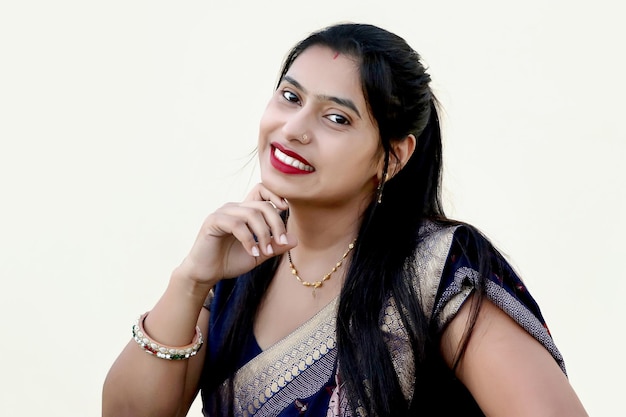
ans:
x=353 y=293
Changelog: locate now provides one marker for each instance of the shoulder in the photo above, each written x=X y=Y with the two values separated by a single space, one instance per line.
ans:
x=437 y=239
x=454 y=261
x=437 y=246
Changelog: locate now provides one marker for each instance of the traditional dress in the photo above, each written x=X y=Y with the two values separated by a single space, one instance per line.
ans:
x=298 y=375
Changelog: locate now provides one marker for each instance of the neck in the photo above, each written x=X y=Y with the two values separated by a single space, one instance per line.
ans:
x=321 y=228
x=324 y=235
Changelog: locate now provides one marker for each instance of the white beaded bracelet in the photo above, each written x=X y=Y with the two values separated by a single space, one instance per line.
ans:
x=162 y=351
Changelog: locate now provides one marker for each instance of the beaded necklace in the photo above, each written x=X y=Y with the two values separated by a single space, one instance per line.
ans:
x=317 y=284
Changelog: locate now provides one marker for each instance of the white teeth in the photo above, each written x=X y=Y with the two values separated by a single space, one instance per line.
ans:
x=288 y=160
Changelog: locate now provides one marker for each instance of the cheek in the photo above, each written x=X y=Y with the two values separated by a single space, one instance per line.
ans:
x=269 y=122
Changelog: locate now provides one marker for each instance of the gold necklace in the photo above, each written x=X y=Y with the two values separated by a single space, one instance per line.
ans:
x=315 y=285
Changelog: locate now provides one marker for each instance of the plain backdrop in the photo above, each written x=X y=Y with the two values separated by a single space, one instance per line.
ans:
x=124 y=123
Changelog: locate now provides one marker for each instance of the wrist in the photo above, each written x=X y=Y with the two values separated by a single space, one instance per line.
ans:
x=185 y=282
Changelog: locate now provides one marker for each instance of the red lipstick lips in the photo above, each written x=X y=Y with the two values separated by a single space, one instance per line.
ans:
x=289 y=162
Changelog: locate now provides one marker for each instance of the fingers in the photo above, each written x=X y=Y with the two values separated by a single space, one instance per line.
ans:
x=267 y=226
x=238 y=236
x=261 y=193
x=257 y=225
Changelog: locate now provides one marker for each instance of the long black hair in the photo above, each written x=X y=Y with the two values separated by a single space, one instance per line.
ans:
x=397 y=89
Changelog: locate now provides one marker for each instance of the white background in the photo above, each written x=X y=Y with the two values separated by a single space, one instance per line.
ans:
x=124 y=123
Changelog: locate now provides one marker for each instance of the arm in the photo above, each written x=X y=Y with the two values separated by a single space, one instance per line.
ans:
x=232 y=241
x=139 y=384
x=508 y=372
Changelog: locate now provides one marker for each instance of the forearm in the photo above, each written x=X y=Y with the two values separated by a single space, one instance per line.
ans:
x=227 y=245
x=173 y=319
x=140 y=384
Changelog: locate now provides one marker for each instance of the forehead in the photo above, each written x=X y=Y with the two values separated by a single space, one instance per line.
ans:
x=323 y=71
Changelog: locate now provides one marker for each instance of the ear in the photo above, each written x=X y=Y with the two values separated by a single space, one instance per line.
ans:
x=402 y=151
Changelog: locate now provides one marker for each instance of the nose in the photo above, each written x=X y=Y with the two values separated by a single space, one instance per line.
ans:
x=298 y=126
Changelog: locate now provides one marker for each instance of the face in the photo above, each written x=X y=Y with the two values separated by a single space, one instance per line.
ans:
x=317 y=141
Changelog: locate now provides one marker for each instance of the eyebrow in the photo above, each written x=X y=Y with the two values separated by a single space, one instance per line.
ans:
x=322 y=97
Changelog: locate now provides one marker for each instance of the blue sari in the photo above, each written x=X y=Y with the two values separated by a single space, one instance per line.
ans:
x=298 y=376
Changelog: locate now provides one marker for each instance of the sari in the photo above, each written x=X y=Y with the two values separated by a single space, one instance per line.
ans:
x=298 y=376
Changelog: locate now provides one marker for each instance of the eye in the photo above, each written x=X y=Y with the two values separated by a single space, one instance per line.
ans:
x=290 y=96
x=339 y=119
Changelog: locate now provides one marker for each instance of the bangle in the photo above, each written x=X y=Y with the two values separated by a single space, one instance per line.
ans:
x=162 y=351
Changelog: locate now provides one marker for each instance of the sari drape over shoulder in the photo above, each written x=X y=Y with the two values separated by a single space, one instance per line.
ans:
x=298 y=375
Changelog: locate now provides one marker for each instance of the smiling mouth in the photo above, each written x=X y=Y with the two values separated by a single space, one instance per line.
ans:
x=288 y=160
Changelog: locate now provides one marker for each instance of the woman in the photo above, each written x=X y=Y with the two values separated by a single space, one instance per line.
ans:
x=354 y=294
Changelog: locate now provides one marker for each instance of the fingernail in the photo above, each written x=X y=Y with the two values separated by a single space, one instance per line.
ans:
x=270 y=250
x=283 y=239
x=255 y=251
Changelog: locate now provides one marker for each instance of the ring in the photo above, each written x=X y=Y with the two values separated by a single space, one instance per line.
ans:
x=272 y=204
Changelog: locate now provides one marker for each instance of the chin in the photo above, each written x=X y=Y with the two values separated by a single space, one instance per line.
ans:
x=271 y=182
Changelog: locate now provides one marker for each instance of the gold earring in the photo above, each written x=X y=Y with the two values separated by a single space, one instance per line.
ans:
x=381 y=185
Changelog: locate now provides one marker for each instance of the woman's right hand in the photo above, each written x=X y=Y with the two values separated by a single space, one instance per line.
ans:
x=226 y=246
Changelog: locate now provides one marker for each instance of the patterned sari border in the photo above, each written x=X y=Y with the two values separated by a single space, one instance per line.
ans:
x=277 y=367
